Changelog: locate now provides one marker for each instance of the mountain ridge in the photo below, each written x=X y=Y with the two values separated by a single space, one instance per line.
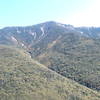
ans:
x=68 y=50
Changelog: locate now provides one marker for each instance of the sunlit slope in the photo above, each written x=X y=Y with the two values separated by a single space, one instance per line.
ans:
x=22 y=78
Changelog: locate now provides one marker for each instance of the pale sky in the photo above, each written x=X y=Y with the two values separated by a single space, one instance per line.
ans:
x=90 y=16
x=30 y=12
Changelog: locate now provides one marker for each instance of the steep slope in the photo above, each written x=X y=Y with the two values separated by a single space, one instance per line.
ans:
x=74 y=57
x=30 y=36
x=22 y=78
x=71 y=52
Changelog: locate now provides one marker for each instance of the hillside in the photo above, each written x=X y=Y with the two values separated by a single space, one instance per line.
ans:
x=30 y=36
x=22 y=78
x=73 y=52
x=75 y=57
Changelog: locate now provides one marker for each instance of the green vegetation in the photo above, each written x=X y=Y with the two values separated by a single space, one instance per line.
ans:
x=71 y=52
x=22 y=78
x=75 y=57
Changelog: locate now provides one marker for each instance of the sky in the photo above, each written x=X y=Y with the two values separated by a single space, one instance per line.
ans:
x=30 y=12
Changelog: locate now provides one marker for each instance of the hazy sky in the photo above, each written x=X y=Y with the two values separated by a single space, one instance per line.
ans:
x=29 y=12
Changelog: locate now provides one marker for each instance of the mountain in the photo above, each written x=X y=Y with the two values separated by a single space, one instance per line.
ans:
x=73 y=52
x=30 y=35
x=22 y=78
